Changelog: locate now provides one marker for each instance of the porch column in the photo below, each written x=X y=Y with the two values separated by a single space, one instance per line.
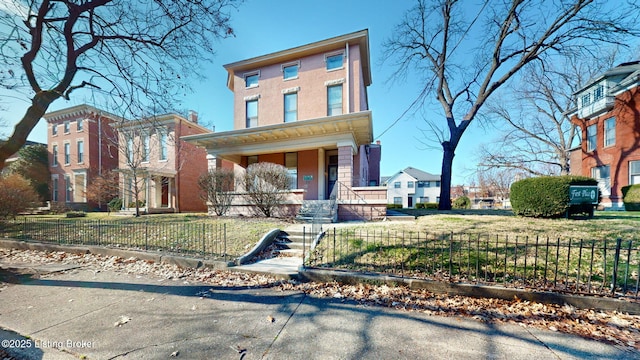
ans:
x=322 y=185
x=345 y=169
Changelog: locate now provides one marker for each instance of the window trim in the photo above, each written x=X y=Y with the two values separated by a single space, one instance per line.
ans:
x=329 y=107
x=66 y=126
x=54 y=155
x=334 y=54
x=284 y=103
x=397 y=184
x=79 y=125
x=67 y=154
x=80 y=154
x=54 y=129
x=246 y=113
x=250 y=74
x=290 y=64
x=592 y=144
x=610 y=133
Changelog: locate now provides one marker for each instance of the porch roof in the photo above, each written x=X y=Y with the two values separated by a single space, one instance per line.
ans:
x=352 y=129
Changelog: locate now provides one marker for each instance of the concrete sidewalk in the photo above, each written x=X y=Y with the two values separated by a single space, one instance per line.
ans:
x=113 y=315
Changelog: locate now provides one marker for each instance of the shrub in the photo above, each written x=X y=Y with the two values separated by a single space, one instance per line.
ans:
x=265 y=184
x=547 y=196
x=76 y=214
x=16 y=195
x=141 y=203
x=215 y=189
x=463 y=202
x=115 y=204
x=426 y=205
x=631 y=197
x=394 y=206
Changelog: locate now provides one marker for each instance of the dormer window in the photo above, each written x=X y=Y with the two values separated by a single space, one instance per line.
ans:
x=598 y=93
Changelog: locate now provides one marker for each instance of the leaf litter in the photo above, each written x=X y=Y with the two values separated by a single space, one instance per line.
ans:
x=613 y=327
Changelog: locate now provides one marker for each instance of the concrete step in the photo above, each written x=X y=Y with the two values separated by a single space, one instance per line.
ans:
x=291 y=252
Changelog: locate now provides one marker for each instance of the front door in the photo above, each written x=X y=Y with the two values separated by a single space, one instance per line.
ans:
x=165 y=192
x=332 y=170
x=410 y=202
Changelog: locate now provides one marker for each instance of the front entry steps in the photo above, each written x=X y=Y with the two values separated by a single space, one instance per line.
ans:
x=317 y=211
x=290 y=247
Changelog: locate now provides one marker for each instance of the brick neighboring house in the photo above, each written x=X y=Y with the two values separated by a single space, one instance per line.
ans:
x=166 y=167
x=307 y=108
x=609 y=115
x=79 y=141
x=411 y=186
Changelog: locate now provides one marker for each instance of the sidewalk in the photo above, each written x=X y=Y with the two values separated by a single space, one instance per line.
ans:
x=113 y=315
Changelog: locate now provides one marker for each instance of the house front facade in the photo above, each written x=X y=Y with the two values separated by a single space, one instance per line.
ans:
x=306 y=108
x=411 y=186
x=608 y=113
x=80 y=146
x=158 y=169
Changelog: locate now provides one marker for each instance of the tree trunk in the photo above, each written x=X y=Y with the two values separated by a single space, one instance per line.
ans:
x=445 y=180
x=38 y=108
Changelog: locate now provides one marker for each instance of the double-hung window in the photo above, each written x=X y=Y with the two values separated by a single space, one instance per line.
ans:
x=334 y=100
x=67 y=126
x=79 y=125
x=397 y=185
x=145 y=147
x=252 y=113
x=592 y=138
x=610 y=132
x=54 y=151
x=80 y=152
x=290 y=72
x=54 y=129
x=290 y=107
x=162 y=138
x=603 y=175
x=634 y=172
x=67 y=153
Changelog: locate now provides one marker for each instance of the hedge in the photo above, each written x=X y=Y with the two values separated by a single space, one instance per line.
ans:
x=547 y=196
x=631 y=197
x=427 y=205
x=394 y=206
x=463 y=202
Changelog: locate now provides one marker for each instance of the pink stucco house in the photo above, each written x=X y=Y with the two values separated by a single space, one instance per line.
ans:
x=307 y=108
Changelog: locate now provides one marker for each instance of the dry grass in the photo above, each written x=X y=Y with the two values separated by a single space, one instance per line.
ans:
x=604 y=226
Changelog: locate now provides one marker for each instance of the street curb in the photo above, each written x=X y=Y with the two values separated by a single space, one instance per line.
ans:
x=354 y=278
x=478 y=291
x=180 y=261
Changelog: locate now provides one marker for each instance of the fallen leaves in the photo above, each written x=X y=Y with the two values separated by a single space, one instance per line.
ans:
x=612 y=327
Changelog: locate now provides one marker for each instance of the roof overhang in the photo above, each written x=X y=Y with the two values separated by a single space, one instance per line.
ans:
x=353 y=129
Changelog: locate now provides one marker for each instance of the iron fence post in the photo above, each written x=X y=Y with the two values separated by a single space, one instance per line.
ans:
x=616 y=259
x=304 y=242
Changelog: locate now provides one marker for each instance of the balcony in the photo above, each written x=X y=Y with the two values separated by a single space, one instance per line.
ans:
x=597 y=107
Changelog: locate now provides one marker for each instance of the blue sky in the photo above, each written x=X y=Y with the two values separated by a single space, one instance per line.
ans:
x=263 y=27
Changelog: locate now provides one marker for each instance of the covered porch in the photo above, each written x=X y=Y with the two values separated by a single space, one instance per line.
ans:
x=156 y=190
x=318 y=153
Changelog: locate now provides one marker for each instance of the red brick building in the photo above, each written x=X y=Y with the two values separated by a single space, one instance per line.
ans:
x=609 y=115
x=167 y=168
x=80 y=146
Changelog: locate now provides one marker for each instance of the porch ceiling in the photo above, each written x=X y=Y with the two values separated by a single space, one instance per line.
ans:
x=354 y=129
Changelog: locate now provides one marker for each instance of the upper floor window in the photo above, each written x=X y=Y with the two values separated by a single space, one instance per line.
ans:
x=67 y=153
x=586 y=99
x=251 y=79
x=410 y=184
x=162 y=138
x=290 y=72
x=54 y=129
x=79 y=125
x=252 y=113
x=67 y=126
x=422 y=184
x=334 y=61
x=54 y=154
x=598 y=93
x=397 y=184
x=334 y=100
x=290 y=107
x=130 y=150
x=80 y=152
x=610 y=132
x=592 y=133
x=145 y=147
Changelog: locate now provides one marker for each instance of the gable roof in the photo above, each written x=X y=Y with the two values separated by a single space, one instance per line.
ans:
x=417 y=174
x=421 y=175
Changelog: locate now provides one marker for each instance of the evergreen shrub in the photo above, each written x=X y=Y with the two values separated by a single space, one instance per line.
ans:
x=547 y=196
x=631 y=197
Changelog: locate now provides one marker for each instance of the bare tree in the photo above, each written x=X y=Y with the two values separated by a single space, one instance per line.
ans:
x=265 y=185
x=103 y=188
x=216 y=188
x=464 y=59
x=146 y=51
x=539 y=135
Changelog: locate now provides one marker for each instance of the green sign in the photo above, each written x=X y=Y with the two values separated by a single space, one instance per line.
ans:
x=583 y=195
x=307 y=177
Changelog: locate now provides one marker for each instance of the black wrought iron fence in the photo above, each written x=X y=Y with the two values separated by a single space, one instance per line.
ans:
x=204 y=239
x=603 y=267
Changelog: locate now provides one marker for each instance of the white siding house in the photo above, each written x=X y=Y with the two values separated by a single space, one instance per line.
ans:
x=411 y=186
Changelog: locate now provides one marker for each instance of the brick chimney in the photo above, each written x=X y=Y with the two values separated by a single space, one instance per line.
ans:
x=193 y=116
